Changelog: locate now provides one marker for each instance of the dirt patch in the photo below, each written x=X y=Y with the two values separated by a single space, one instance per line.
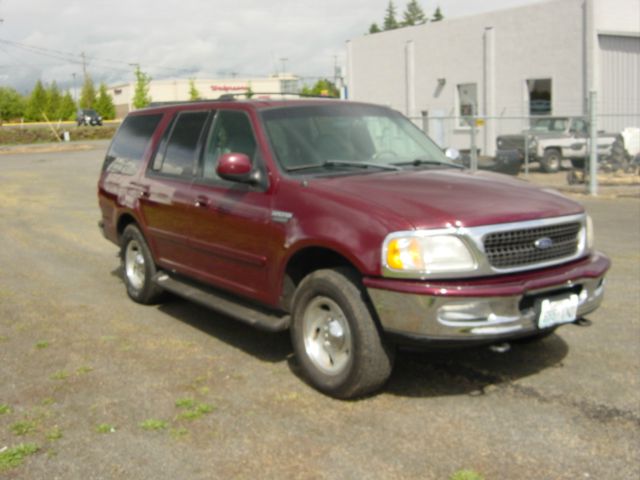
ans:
x=46 y=148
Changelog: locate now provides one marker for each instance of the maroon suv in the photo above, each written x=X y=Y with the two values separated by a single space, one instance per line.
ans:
x=344 y=223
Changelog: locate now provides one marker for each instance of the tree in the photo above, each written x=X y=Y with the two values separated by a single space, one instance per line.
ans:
x=323 y=87
x=249 y=93
x=194 y=94
x=88 y=94
x=374 y=28
x=437 y=15
x=54 y=98
x=413 y=14
x=12 y=104
x=104 y=104
x=67 y=109
x=390 y=22
x=37 y=103
x=141 y=97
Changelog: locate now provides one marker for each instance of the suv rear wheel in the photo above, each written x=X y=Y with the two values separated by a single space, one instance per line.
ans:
x=138 y=267
x=335 y=338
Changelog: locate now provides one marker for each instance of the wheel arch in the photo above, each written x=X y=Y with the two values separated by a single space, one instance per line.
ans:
x=124 y=221
x=307 y=260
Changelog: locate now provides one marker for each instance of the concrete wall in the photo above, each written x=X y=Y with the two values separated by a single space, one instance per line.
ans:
x=419 y=68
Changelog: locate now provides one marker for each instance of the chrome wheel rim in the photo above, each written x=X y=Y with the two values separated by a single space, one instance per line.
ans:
x=327 y=337
x=553 y=161
x=134 y=265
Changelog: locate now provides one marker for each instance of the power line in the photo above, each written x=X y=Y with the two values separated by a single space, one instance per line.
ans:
x=80 y=59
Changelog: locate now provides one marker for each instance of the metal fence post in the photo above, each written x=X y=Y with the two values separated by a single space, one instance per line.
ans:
x=526 y=155
x=593 y=142
x=425 y=121
x=474 y=151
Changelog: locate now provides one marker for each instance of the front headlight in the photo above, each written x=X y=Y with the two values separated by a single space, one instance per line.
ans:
x=585 y=239
x=421 y=253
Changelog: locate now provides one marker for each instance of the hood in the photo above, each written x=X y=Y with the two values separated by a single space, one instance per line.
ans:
x=441 y=198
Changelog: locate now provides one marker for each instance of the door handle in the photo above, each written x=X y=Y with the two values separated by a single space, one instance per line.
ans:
x=201 y=201
x=143 y=190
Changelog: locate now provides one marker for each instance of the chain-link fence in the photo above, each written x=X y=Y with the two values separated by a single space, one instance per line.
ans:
x=544 y=143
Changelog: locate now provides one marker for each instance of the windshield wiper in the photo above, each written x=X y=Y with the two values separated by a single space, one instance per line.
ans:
x=355 y=163
x=348 y=163
x=421 y=161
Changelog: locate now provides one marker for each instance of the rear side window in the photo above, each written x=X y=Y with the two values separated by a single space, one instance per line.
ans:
x=180 y=155
x=127 y=149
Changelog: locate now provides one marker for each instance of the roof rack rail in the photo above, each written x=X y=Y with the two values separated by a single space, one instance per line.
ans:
x=252 y=95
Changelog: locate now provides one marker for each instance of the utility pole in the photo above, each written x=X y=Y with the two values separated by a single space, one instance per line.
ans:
x=84 y=66
x=75 y=88
x=284 y=64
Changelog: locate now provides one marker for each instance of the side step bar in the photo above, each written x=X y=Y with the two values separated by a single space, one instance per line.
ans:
x=224 y=303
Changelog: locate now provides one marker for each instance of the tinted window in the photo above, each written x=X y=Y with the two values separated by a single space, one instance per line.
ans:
x=128 y=146
x=180 y=155
x=230 y=133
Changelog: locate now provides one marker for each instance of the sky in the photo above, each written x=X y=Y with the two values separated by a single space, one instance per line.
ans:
x=45 y=39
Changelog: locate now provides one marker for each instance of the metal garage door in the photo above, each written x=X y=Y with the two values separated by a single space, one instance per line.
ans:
x=619 y=82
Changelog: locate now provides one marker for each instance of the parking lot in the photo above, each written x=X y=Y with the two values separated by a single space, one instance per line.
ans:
x=106 y=388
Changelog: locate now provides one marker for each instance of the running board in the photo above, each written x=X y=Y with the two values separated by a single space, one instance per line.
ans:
x=224 y=303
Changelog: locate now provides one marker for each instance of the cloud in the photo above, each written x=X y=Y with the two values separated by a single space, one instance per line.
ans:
x=195 y=38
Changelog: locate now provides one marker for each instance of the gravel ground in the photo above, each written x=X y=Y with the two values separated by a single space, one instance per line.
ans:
x=82 y=368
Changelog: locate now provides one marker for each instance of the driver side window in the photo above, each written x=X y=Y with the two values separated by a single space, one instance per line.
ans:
x=231 y=132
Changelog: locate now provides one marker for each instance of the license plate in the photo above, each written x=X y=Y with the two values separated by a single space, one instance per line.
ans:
x=557 y=311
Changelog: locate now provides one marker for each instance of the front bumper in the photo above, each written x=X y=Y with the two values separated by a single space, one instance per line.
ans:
x=486 y=309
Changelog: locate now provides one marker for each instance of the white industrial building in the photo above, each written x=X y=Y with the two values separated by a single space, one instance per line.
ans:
x=540 y=59
x=178 y=90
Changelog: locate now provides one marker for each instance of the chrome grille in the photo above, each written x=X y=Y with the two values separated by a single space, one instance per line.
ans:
x=517 y=248
x=511 y=142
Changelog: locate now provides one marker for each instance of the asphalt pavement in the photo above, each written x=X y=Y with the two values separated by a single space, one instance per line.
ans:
x=105 y=388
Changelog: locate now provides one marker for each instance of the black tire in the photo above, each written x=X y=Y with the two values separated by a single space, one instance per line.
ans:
x=552 y=160
x=138 y=267
x=350 y=360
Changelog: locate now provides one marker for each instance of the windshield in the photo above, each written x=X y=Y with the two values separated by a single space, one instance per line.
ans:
x=550 y=125
x=325 y=138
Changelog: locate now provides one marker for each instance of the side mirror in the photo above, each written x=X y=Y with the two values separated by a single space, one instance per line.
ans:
x=235 y=167
x=452 y=153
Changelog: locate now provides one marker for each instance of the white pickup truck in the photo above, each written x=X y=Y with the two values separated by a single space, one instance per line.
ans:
x=552 y=139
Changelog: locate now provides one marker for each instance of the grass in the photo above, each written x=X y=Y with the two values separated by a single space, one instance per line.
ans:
x=84 y=370
x=192 y=409
x=23 y=428
x=60 y=375
x=105 y=428
x=4 y=408
x=178 y=432
x=42 y=344
x=466 y=475
x=23 y=136
x=185 y=403
x=153 y=424
x=54 y=434
x=14 y=456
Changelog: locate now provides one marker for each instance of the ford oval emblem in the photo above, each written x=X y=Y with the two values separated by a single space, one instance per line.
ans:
x=543 y=243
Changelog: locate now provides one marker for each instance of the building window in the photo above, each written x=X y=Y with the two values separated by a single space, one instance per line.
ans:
x=539 y=90
x=467 y=103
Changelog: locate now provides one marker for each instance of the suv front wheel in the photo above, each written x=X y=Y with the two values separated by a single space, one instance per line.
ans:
x=335 y=338
x=138 y=267
x=552 y=160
